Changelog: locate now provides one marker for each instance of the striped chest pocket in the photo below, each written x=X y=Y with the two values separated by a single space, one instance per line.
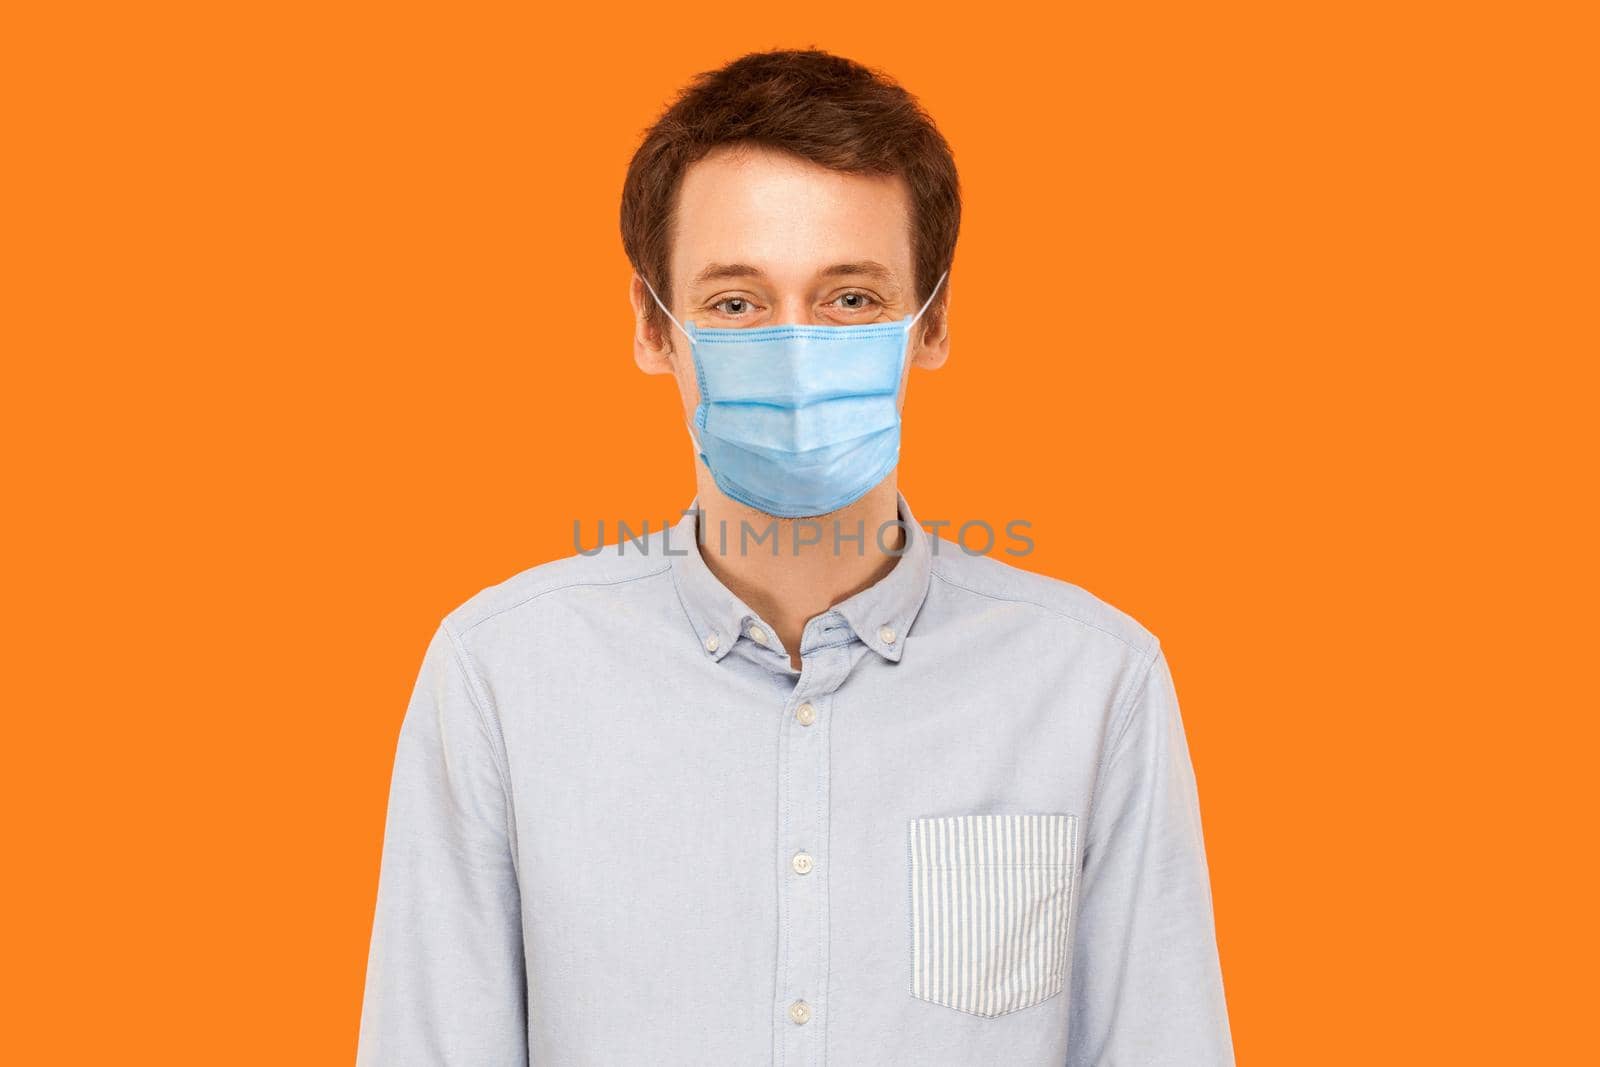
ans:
x=991 y=909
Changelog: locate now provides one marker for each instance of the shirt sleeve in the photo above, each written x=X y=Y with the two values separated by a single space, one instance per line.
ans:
x=446 y=982
x=1146 y=978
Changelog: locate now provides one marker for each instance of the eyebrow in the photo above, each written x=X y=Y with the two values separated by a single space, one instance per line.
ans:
x=869 y=268
x=718 y=271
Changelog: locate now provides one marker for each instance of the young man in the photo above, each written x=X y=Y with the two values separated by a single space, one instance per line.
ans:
x=793 y=781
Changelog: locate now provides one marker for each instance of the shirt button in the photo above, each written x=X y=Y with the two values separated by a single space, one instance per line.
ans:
x=801 y=863
x=800 y=1012
x=887 y=634
x=711 y=643
x=757 y=634
x=806 y=714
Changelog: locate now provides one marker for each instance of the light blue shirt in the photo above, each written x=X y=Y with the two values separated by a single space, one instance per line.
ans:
x=622 y=829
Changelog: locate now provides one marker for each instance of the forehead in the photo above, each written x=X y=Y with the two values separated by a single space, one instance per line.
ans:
x=788 y=216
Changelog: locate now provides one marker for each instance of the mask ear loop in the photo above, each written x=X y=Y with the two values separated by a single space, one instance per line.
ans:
x=905 y=349
x=926 y=302
x=688 y=425
x=664 y=310
x=905 y=342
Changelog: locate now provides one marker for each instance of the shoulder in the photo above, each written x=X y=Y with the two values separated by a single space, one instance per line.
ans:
x=543 y=587
x=1048 y=599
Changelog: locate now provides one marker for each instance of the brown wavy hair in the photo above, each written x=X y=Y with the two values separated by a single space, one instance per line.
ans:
x=820 y=107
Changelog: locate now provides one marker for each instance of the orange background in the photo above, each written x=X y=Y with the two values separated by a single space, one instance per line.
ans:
x=1275 y=320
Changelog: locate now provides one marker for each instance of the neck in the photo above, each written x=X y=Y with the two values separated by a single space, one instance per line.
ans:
x=809 y=572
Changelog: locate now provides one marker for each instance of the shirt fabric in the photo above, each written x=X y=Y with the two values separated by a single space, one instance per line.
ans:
x=622 y=829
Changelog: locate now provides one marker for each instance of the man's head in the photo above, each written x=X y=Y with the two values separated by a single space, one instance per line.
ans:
x=789 y=187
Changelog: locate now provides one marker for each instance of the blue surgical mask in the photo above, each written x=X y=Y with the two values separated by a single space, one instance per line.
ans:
x=796 y=419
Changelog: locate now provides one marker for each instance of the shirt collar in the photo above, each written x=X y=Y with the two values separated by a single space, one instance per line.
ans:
x=880 y=615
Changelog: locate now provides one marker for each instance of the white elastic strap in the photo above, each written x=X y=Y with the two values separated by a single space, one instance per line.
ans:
x=926 y=302
x=663 y=307
x=687 y=425
x=905 y=341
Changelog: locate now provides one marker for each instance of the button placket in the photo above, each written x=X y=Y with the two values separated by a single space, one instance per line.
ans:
x=802 y=993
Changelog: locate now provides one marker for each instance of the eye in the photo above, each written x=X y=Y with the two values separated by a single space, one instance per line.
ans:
x=732 y=305
x=855 y=301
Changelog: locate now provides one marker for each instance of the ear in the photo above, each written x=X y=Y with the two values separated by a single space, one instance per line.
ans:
x=652 y=346
x=931 y=336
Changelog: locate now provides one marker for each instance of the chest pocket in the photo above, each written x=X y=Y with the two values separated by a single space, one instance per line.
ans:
x=991 y=909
